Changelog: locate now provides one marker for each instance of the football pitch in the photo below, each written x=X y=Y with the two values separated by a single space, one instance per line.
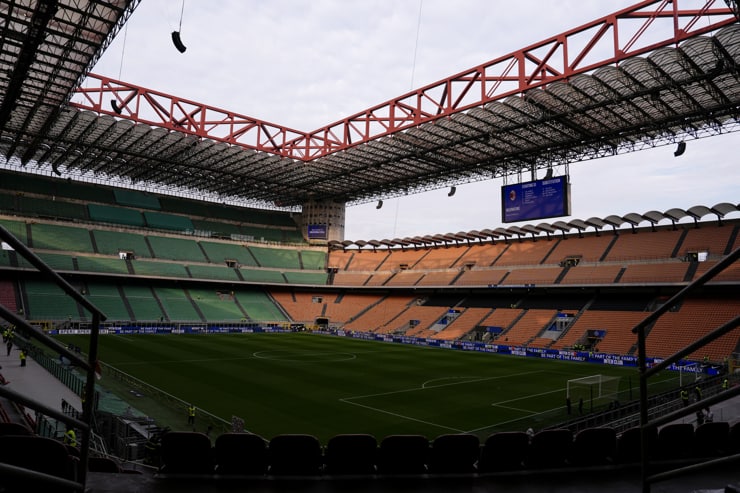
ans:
x=325 y=385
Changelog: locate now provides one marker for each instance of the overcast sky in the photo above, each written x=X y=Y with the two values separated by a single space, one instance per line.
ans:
x=304 y=64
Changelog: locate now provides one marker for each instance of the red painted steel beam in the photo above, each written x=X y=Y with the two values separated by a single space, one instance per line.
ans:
x=123 y=100
x=633 y=31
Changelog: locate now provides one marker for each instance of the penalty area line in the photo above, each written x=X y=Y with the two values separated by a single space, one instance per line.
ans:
x=383 y=411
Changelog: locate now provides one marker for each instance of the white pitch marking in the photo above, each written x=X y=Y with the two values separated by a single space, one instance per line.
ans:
x=442 y=385
x=401 y=416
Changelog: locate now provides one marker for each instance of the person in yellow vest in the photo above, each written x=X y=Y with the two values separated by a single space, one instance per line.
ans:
x=70 y=438
x=685 y=397
x=191 y=415
x=725 y=384
x=22 y=356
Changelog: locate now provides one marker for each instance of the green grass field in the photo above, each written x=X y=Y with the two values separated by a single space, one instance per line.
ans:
x=323 y=385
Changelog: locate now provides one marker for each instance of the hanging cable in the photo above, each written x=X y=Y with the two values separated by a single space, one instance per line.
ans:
x=123 y=50
x=416 y=43
x=413 y=71
x=182 y=12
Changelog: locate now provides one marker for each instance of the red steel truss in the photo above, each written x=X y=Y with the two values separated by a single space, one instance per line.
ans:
x=636 y=30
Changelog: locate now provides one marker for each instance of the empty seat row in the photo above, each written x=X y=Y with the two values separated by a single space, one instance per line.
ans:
x=361 y=454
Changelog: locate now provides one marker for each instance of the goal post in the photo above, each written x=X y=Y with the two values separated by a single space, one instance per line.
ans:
x=592 y=391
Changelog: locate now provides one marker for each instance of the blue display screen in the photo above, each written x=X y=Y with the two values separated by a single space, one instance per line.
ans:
x=317 y=232
x=537 y=199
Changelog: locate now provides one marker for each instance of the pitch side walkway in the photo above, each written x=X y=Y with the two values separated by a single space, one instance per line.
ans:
x=35 y=382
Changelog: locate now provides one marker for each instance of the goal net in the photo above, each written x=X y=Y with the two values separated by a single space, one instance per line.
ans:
x=593 y=391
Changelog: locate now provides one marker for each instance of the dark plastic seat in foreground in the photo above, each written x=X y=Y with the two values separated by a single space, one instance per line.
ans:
x=295 y=455
x=734 y=438
x=36 y=453
x=549 y=449
x=712 y=439
x=240 y=453
x=186 y=452
x=504 y=451
x=14 y=429
x=454 y=454
x=594 y=446
x=629 y=445
x=676 y=441
x=403 y=454
x=351 y=454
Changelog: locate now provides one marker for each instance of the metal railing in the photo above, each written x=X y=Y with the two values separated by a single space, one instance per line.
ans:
x=646 y=424
x=88 y=366
x=216 y=424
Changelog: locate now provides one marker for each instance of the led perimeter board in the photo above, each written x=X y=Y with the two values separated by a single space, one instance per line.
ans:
x=537 y=199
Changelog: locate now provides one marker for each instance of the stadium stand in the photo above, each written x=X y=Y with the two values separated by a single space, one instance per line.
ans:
x=173 y=248
x=380 y=314
x=115 y=215
x=469 y=319
x=441 y=258
x=484 y=255
x=259 y=306
x=47 y=301
x=437 y=278
x=217 y=305
x=110 y=242
x=658 y=244
x=177 y=262
x=219 y=272
x=223 y=252
x=108 y=298
x=262 y=276
x=177 y=303
x=159 y=269
x=7 y=295
x=276 y=258
x=60 y=237
x=143 y=303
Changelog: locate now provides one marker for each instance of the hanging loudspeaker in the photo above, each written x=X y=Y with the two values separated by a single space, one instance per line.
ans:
x=178 y=42
x=452 y=191
x=680 y=149
x=380 y=204
x=115 y=106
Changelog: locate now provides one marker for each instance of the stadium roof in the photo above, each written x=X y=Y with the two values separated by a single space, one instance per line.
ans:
x=538 y=107
x=633 y=219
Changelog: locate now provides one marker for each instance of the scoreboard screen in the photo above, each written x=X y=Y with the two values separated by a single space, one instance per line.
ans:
x=317 y=232
x=537 y=199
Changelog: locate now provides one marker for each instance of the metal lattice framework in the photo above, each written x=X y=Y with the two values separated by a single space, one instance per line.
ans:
x=653 y=74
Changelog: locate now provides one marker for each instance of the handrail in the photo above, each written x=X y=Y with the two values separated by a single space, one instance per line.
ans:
x=89 y=366
x=640 y=329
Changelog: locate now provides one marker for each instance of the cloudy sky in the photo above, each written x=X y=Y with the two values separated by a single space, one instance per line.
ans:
x=304 y=64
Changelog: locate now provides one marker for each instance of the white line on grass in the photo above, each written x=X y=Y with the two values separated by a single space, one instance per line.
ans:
x=401 y=416
x=516 y=409
x=532 y=413
x=297 y=356
x=527 y=397
x=415 y=389
x=348 y=400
